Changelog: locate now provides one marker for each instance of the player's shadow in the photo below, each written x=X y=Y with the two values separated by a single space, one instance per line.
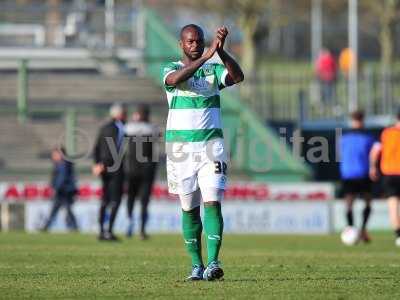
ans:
x=225 y=280
x=241 y=280
x=234 y=280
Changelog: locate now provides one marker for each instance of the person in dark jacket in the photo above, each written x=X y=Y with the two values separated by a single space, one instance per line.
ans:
x=108 y=165
x=64 y=187
x=141 y=165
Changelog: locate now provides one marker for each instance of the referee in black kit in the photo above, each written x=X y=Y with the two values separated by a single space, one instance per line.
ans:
x=109 y=166
x=141 y=165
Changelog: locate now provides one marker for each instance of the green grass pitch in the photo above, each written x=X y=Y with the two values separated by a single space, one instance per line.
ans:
x=73 y=266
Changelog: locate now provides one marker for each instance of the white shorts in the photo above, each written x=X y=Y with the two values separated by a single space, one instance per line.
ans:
x=188 y=172
x=193 y=200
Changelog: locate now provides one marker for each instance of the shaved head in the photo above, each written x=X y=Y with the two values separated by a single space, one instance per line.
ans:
x=192 y=41
x=191 y=27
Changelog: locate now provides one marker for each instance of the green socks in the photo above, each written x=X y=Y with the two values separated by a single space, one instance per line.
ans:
x=213 y=225
x=191 y=225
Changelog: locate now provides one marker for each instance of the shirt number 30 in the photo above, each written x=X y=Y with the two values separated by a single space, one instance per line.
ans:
x=220 y=167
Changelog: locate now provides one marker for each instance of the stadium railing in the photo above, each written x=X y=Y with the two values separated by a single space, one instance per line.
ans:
x=279 y=95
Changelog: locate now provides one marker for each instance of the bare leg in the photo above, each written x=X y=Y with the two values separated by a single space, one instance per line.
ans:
x=393 y=203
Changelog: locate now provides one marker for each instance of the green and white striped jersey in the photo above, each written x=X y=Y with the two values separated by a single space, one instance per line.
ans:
x=194 y=115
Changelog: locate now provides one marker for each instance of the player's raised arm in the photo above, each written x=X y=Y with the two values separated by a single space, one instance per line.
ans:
x=192 y=44
x=235 y=73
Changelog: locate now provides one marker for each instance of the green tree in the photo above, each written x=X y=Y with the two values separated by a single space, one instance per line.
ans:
x=247 y=13
x=387 y=13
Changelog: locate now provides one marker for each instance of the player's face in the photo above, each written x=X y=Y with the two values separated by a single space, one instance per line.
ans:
x=192 y=43
x=122 y=116
x=56 y=155
x=356 y=124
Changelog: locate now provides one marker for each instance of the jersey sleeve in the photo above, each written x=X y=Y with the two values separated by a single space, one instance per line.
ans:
x=220 y=74
x=168 y=69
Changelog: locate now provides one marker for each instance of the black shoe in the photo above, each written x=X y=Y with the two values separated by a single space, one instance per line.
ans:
x=109 y=236
x=102 y=237
x=143 y=236
x=364 y=237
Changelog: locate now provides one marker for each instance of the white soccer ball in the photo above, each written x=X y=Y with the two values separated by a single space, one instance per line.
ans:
x=349 y=236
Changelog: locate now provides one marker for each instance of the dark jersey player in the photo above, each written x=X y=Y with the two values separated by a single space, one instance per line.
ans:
x=355 y=147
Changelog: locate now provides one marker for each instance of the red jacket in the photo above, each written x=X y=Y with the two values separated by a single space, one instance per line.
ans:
x=326 y=67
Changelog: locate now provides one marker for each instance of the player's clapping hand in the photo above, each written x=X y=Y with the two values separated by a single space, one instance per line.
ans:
x=217 y=42
x=221 y=35
x=213 y=47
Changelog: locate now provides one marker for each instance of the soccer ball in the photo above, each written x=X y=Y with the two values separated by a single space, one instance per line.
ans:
x=349 y=236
